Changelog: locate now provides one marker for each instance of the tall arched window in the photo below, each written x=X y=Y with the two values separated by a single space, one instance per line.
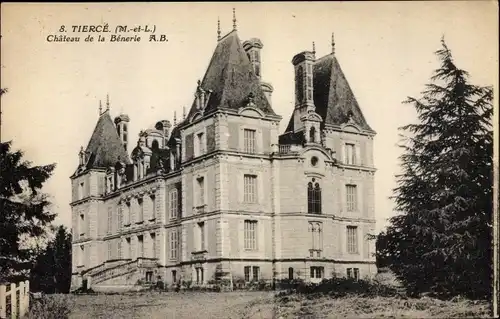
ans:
x=313 y=198
x=312 y=134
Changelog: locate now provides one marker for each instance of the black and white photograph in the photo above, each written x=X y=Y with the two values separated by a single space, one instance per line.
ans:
x=249 y=160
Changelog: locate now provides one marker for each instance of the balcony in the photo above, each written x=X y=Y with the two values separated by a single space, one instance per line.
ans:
x=200 y=255
x=286 y=149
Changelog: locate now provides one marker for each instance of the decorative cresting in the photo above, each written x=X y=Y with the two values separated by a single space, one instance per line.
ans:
x=218 y=29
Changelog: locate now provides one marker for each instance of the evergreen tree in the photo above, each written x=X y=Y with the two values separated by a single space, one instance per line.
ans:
x=441 y=240
x=23 y=210
x=52 y=271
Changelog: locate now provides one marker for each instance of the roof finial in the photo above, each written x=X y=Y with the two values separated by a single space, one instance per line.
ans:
x=107 y=102
x=175 y=118
x=100 y=107
x=314 y=48
x=333 y=43
x=183 y=112
x=218 y=28
x=234 y=19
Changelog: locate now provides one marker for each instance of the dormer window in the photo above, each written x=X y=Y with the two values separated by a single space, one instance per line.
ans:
x=312 y=135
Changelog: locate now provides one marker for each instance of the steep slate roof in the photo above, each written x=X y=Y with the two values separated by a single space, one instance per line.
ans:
x=105 y=147
x=231 y=78
x=333 y=97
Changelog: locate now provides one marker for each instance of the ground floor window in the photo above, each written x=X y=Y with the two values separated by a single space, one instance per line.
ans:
x=252 y=273
x=290 y=273
x=149 y=276
x=353 y=273
x=317 y=272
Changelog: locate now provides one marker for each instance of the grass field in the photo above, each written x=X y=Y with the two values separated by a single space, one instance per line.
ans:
x=253 y=305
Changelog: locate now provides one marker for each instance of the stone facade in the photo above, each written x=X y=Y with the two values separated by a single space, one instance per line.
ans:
x=224 y=191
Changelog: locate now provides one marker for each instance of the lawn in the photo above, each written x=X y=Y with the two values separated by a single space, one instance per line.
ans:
x=254 y=305
x=181 y=305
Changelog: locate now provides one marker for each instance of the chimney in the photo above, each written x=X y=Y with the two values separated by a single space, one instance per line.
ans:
x=121 y=123
x=252 y=48
x=304 y=99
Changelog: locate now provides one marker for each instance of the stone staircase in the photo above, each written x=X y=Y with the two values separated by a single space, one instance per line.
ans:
x=119 y=275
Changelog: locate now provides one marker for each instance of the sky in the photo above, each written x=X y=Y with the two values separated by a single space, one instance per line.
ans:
x=386 y=50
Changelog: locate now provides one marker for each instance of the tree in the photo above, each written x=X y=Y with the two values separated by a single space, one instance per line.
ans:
x=52 y=270
x=441 y=240
x=23 y=210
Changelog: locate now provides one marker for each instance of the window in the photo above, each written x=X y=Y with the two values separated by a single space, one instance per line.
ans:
x=315 y=229
x=111 y=186
x=314 y=161
x=129 y=248
x=127 y=213
x=250 y=188
x=313 y=198
x=82 y=224
x=173 y=203
x=110 y=250
x=201 y=191
x=247 y=273
x=153 y=245
x=317 y=272
x=299 y=85
x=201 y=144
x=312 y=135
x=350 y=154
x=351 y=198
x=352 y=239
x=149 y=276
x=201 y=233
x=249 y=139
x=82 y=255
x=80 y=190
x=140 y=217
x=173 y=244
x=155 y=145
x=140 y=246
x=110 y=219
x=120 y=217
x=353 y=273
x=153 y=207
x=174 y=276
x=199 y=275
x=250 y=234
x=256 y=272
x=290 y=273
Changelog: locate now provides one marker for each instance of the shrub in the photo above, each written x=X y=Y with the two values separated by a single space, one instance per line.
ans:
x=50 y=307
x=338 y=287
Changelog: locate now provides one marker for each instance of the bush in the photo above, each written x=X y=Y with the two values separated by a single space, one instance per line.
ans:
x=50 y=307
x=338 y=287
